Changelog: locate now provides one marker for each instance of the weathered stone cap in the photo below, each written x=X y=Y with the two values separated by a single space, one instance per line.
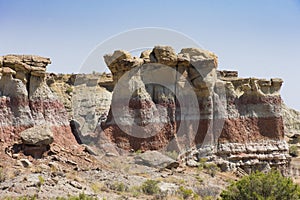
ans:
x=165 y=55
x=21 y=65
x=200 y=57
x=24 y=62
x=117 y=56
x=31 y=60
x=121 y=61
x=7 y=70
x=162 y=54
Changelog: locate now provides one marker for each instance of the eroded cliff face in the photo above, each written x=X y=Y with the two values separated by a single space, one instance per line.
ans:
x=291 y=119
x=254 y=110
x=238 y=119
x=26 y=100
x=86 y=97
x=162 y=100
x=160 y=85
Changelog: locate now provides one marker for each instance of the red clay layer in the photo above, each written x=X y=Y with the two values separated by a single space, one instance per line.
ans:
x=241 y=130
x=51 y=112
x=252 y=129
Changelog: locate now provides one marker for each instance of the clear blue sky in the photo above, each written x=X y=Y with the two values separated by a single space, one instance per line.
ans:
x=259 y=38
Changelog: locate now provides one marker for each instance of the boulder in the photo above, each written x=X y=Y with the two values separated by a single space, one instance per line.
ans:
x=120 y=62
x=116 y=56
x=165 y=55
x=201 y=57
x=146 y=54
x=156 y=159
x=37 y=135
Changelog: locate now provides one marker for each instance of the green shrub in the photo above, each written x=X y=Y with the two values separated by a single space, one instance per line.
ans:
x=211 y=168
x=187 y=193
x=41 y=182
x=139 y=151
x=259 y=186
x=294 y=151
x=202 y=162
x=69 y=90
x=120 y=187
x=150 y=187
x=98 y=187
x=199 y=179
x=135 y=191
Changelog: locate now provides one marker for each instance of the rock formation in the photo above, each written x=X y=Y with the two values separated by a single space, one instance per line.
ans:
x=162 y=100
x=253 y=133
x=26 y=101
x=86 y=98
x=176 y=104
x=239 y=117
x=291 y=119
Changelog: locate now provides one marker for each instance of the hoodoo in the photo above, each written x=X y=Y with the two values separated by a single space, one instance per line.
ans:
x=26 y=100
x=237 y=121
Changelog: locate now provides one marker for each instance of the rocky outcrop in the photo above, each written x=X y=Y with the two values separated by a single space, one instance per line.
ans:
x=86 y=97
x=153 y=99
x=26 y=100
x=153 y=107
x=254 y=108
x=253 y=156
x=162 y=100
x=291 y=120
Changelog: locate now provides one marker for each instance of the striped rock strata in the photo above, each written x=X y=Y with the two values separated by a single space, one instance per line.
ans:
x=170 y=101
x=26 y=100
